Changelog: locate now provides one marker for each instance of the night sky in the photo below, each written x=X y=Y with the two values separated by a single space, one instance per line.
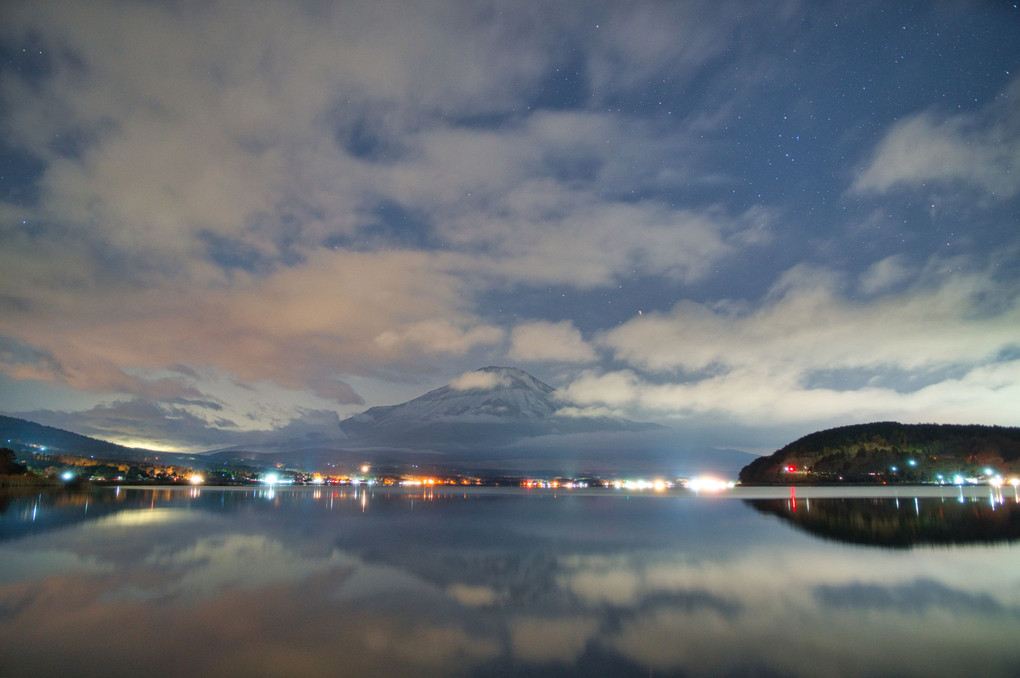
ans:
x=221 y=221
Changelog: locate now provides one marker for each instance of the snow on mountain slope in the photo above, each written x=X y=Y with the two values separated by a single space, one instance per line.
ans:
x=495 y=398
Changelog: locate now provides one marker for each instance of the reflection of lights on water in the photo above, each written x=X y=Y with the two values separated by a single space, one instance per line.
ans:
x=152 y=516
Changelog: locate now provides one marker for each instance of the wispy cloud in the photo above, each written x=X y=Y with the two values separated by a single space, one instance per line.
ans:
x=812 y=354
x=980 y=150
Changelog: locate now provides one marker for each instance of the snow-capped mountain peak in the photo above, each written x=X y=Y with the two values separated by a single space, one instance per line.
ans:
x=487 y=407
x=489 y=394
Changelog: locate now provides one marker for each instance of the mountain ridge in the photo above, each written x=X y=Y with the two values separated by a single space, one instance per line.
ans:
x=492 y=402
x=24 y=435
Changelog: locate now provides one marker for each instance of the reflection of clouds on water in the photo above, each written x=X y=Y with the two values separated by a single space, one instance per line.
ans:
x=370 y=580
x=795 y=613
x=226 y=604
x=914 y=597
x=284 y=591
x=247 y=561
x=551 y=639
x=29 y=565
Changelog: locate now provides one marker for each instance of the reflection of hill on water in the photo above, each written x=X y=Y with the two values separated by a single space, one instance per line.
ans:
x=902 y=522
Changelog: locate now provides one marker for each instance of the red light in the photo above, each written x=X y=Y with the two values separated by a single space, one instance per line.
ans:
x=791 y=469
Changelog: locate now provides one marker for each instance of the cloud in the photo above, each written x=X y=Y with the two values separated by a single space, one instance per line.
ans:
x=938 y=348
x=473 y=596
x=548 y=201
x=438 y=336
x=547 y=341
x=299 y=327
x=483 y=381
x=806 y=323
x=978 y=149
x=885 y=274
x=212 y=197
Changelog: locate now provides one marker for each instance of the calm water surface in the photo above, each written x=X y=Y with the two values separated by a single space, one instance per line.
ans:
x=444 y=582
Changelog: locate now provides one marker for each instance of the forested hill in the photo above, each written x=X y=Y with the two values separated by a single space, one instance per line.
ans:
x=890 y=452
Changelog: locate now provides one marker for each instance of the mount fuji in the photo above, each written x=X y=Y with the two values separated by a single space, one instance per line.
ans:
x=495 y=418
x=492 y=405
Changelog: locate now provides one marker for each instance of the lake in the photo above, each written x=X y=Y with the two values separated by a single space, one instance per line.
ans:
x=443 y=581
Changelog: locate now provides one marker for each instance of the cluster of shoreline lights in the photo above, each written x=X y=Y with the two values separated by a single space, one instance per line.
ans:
x=989 y=476
x=702 y=484
x=995 y=480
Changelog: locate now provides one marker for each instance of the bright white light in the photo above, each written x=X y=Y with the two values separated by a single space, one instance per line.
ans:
x=271 y=479
x=66 y=475
x=196 y=479
x=317 y=480
x=709 y=484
